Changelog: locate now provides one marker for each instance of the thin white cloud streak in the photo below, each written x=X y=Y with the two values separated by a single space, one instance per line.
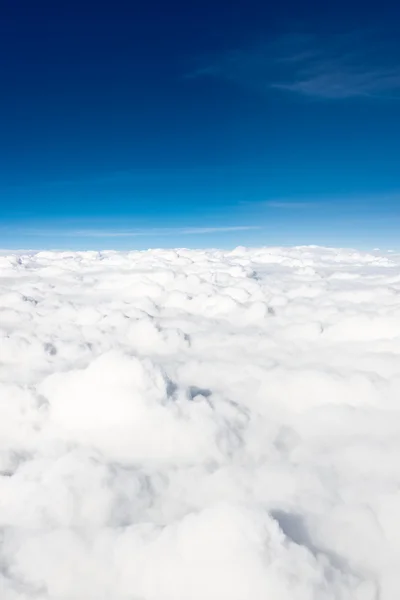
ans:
x=158 y=232
x=293 y=205
x=342 y=84
x=343 y=202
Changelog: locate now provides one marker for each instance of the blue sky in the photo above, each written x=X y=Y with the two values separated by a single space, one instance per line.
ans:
x=129 y=125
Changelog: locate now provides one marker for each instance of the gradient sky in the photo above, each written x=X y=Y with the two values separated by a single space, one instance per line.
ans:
x=214 y=123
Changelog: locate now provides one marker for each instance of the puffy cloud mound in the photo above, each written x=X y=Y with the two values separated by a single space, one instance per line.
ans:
x=191 y=425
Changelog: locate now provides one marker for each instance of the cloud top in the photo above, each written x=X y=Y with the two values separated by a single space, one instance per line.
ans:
x=226 y=420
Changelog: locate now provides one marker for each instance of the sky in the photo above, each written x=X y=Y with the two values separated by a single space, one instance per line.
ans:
x=135 y=125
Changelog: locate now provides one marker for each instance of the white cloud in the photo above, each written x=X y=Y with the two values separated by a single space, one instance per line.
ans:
x=330 y=67
x=292 y=205
x=180 y=424
x=342 y=81
x=116 y=233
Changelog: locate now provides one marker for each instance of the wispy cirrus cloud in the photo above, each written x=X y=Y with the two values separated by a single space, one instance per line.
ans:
x=335 y=67
x=132 y=233
x=329 y=203
x=293 y=205
x=300 y=203
x=343 y=82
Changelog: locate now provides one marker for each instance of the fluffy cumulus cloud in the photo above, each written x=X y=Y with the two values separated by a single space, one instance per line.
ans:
x=191 y=425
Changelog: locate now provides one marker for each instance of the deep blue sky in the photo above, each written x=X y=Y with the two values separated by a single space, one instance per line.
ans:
x=135 y=124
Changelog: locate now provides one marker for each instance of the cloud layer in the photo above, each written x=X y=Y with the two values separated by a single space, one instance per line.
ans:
x=182 y=425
